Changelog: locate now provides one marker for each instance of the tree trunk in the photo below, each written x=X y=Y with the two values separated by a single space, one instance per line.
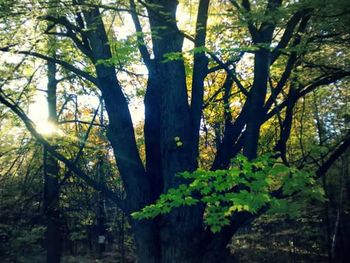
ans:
x=101 y=211
x=256 y=102
x=122 y=137
x=152 y=133
x=51 y=210
x=51 y=185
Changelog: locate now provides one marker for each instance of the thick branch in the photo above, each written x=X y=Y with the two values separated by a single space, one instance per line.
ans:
x=252 y=29
x=64 y=64
x=283 y=80
x=288 y=33
x=139 y=34
x=322 y=170
x=64 y=22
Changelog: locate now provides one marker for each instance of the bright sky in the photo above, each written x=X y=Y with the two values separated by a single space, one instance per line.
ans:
x=38 y=110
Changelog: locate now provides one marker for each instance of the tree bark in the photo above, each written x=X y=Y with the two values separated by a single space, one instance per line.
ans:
x=51 y=210
x=51 y=173
x=256 y=102
x=179 y=231
x=121 y=135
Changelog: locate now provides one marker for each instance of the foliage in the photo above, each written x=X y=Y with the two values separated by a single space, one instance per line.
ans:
x=247 y=186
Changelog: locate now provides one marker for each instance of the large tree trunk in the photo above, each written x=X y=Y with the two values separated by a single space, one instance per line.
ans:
x=121 y=135
x=181 y=230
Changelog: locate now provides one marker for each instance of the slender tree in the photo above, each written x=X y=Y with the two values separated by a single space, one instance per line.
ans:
x=51 y=168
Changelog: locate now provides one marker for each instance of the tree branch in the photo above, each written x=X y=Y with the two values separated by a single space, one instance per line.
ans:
x=288 y=33
x=229 y=72
x=81 y=148
x=322 y=170
x=325 y=80
x=69 y=164
x=139 y=34
x=64 y=64
x=83 y=122
x=252 y=29
x=64 y=22
x=200 y=68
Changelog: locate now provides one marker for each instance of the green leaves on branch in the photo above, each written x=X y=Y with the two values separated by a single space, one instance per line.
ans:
x=124 y=52
x=246 y=186
x=175 y=197
x=173 y=56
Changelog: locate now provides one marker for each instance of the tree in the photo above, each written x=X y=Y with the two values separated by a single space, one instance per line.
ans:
x=51 y=169
x=282 y=37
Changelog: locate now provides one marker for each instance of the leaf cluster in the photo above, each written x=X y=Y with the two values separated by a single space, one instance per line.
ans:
x=247 y=186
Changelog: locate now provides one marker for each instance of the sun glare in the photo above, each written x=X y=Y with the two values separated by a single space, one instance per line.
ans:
x=38 y=113
x=47 y=128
